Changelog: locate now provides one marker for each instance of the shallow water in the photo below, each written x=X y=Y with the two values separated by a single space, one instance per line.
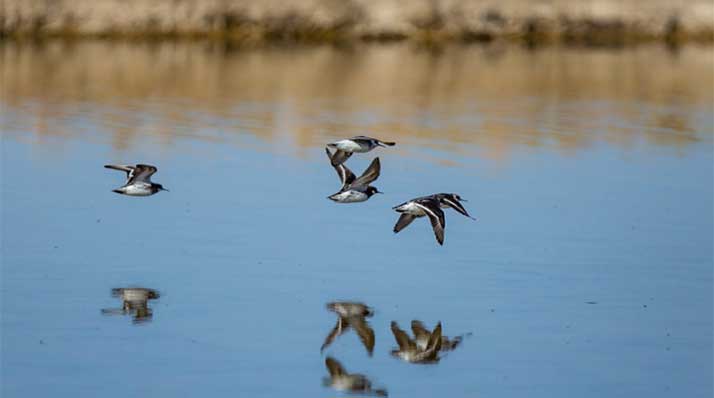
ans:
x=588 y=272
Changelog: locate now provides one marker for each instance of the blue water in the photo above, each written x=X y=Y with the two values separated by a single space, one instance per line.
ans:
x=587 y=274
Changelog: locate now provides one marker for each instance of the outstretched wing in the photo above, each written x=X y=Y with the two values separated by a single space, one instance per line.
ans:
x=141 y=172
x=405 y=343
x=436 y=216
x=420 y=332
x=339 y=157
x=404 y=220
x=456 y=205
x=345 y=174
x=125 y=168
x=435 y=339
x=340 y=327
x=334 y=367
x=364 y=331
x=369 y=175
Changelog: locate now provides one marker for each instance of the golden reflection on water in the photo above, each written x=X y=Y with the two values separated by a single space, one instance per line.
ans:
x=494 y=97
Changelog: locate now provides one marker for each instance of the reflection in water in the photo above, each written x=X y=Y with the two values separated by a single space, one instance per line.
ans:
x=351 y=315
x=349 y=382
x=409 y=351
x=426 y=345
x=134 y=302
x=422 y=335
x=497 y=98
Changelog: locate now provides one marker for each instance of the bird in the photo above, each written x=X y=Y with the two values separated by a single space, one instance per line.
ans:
x=412 y=352
x=422 y=335
x=430 y=206
x=355 y=189
x=134 y=301
x=138 y=182
x=351 y=315
x=345 y=148
x=420 y=207
x=350 y=382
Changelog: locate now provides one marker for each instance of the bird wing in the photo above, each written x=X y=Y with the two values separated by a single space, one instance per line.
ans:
x=369 y=175
x=362 y=139
x=404 y=220
x=340 y=327
x=420 y=331
x=339 y=157
x=334 y=367
x=141 y=172
x=364 y=331
x=456 y=205
x=125 y=168
x=435 y=339
x=345 y=174
x=436 y=216
x=403 y=340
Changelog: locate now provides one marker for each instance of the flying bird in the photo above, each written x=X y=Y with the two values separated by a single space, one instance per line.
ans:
x=355 y=189
x=430 y=206
x=345 y=148
x=138 y=180
x=420 y=207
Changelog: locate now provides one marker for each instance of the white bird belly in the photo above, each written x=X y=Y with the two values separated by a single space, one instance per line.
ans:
x=350 y=146
x=137 y=190
x=349 y=197
x=411 y=208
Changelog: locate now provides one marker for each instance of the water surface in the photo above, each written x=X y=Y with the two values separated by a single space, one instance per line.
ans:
x=588 y=272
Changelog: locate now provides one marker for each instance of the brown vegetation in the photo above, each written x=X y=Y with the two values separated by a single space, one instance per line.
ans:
x=579 y=21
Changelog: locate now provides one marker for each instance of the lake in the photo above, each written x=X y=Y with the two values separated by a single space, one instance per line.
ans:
x=587 y=274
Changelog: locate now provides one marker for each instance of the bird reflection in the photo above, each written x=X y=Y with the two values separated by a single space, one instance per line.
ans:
x=349 y=382
x=134 y=302
x=351 y=315
x=410 y=351
x=422 y=335
x=425 y=346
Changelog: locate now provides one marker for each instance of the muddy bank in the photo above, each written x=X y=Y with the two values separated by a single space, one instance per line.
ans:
x=583 y=21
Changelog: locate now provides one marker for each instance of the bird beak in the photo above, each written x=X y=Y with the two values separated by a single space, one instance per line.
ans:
x=464 y=200
x=164 y=189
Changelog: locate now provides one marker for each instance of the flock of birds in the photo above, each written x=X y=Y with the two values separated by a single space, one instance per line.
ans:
x=353 y=189
x=424 y=347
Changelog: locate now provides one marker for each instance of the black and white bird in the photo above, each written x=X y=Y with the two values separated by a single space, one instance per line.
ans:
x=351 y=315
x=349 y=382
x=355 y=189
x=361 y=144
x=429 y=206
x=138 y=180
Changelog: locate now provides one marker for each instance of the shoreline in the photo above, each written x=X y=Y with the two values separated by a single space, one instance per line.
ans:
x=586 y=22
